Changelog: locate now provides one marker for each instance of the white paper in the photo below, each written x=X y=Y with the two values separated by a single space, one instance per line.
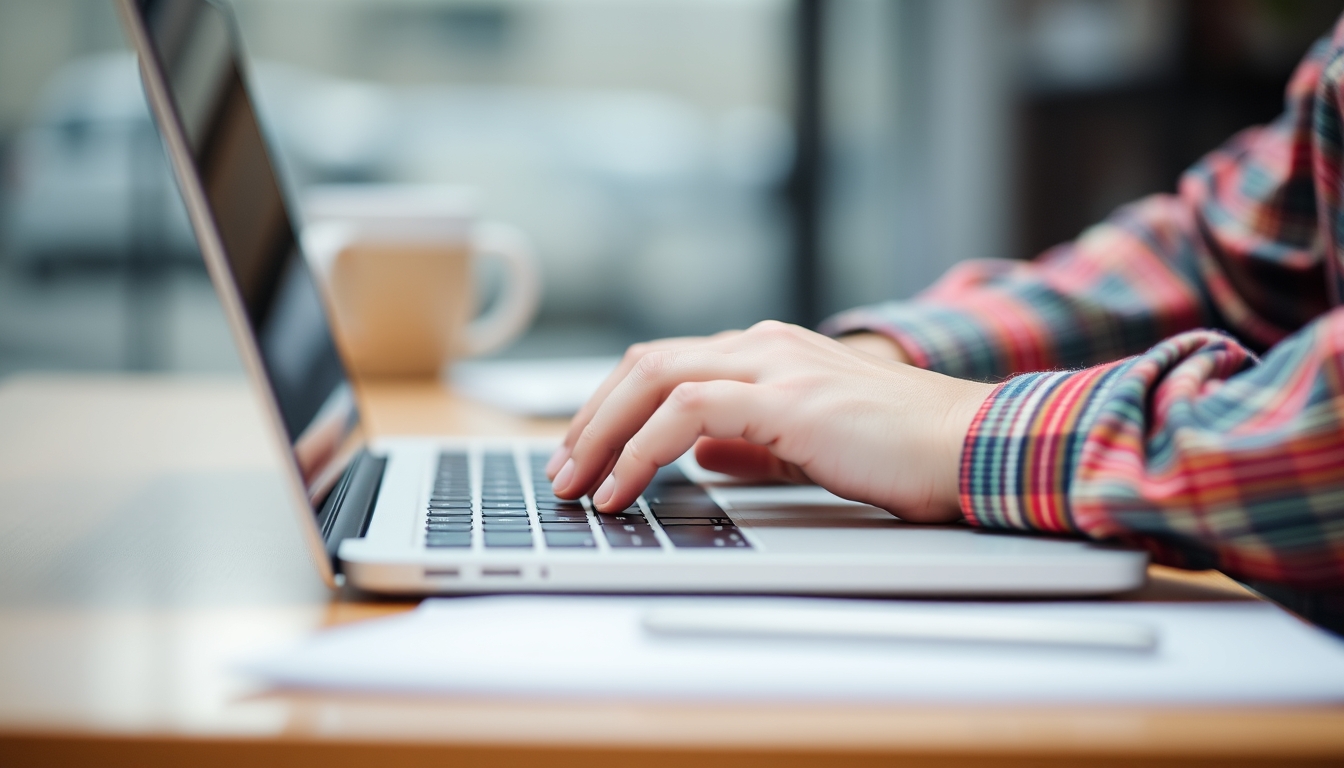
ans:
x=556 y=387
x=1209 y=653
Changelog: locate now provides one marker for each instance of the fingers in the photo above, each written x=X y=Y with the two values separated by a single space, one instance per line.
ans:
x=745 y=460
x=719 y=409
x=631 y=358
x=599 y=432
x=585 y=414
x=840 y=416
x=633 y=401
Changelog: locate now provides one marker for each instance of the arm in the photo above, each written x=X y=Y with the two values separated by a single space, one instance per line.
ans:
x=1194 y=450
x=1236 y=249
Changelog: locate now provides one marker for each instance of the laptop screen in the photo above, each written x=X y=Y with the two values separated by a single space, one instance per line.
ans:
x=196 y=50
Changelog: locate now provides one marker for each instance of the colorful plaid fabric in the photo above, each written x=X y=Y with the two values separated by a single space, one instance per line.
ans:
x=1193 y=447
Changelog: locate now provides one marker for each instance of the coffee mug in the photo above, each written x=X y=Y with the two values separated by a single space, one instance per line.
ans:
x=397 y=265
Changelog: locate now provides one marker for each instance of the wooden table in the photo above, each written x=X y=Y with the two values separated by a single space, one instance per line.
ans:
x=145 y=546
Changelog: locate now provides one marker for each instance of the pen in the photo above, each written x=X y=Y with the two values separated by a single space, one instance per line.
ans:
x=928 y=626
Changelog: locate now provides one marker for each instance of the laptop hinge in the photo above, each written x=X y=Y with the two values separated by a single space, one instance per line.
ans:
x=349 y=507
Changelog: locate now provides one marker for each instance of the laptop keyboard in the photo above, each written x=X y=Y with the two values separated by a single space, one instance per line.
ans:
x=501 y=518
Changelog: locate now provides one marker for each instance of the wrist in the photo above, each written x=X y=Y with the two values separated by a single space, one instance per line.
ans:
x=967 y=399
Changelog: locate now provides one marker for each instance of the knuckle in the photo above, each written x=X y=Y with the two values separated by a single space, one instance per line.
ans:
x=771 y=329
x=634 y=453
x=688 y=396
x=651 y=366
x=588 y=436
x=635 y=351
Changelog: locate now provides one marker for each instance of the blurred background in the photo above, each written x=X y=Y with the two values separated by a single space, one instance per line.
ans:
x=682 y=165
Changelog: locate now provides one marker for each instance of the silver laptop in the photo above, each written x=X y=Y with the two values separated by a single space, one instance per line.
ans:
x=415 y=515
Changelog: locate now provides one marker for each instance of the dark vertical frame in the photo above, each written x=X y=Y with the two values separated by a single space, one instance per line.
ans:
x=805 y=186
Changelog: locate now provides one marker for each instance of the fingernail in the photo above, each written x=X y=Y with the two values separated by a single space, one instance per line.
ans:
x=604 y=491
x=563 y=477
x=557 y=460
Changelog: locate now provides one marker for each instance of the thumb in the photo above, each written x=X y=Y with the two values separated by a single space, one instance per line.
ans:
x=745 y=460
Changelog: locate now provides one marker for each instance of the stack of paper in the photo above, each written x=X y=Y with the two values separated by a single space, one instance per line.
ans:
x=1226 y=653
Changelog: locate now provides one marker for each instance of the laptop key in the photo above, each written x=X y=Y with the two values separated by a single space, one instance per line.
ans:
x=503 y=512
x=706 y=537
x=711 y=521
x=706 y=510
x=629 y=528
x=449 y=514
x=570 y=539
x=508 y=539
x=567 y=509
x=455 y=539
x=549 y=518
x=435 y=504
x=621 y=519
x=513 y=523
x=448 y=527
x=544 y=502
x=643 y=539
x=564 y=525
x=503 y=504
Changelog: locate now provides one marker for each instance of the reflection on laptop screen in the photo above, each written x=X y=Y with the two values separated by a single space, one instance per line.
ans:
x=196 y=51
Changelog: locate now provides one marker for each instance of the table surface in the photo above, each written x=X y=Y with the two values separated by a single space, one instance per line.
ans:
x=146 y=544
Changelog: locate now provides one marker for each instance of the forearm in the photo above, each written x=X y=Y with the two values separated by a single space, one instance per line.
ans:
x=1194 y=450
x=1239 y=248
x=1110 y=294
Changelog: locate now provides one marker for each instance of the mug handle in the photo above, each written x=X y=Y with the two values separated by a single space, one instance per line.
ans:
x=514 y=309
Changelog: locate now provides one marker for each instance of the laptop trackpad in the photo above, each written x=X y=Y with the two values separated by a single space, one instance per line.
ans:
x=800 y=506
x=810 y=519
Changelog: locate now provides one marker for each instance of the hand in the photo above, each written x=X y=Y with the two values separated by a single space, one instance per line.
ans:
x=877 y=345
x=781 y=400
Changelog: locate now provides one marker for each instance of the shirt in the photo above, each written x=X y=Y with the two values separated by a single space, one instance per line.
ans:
x=1139 y=407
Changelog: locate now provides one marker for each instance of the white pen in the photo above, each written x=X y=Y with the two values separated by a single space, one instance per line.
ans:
x=913 y=625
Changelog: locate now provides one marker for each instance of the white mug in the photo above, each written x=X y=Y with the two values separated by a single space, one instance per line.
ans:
x=396 y=264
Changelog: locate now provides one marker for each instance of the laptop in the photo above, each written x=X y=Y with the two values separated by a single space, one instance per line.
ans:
x=453 y=515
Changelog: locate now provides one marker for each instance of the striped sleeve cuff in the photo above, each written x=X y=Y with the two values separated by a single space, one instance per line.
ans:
x=1019 y=456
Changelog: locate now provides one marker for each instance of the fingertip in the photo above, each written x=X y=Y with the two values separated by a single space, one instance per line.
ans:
x=563 y=478
x=602 y=496
x=557 y=461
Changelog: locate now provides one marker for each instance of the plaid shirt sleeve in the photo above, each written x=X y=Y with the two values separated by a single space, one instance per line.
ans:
x=1238 y=249
x=1194 y=448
